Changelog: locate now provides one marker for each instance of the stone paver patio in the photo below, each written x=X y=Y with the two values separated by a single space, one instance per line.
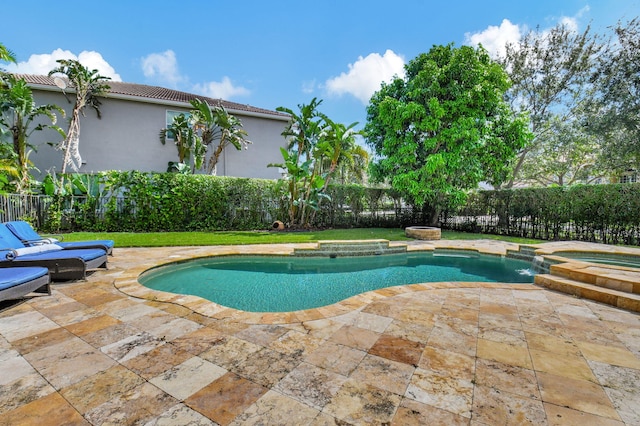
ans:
x=109 y=351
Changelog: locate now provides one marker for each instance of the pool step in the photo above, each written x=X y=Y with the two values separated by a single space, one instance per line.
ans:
x=524 y=252
x=625 y=280
x=621 y=299
x=330 y=248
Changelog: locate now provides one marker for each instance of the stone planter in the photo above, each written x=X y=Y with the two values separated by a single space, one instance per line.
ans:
x=422 y=232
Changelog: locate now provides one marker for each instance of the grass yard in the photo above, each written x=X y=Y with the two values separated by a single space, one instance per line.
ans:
x=163 y=239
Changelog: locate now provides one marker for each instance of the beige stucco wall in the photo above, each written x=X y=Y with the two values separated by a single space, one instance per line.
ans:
x=126 y=138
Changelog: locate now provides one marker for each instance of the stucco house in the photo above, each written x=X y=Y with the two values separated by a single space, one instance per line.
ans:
x=126 y=137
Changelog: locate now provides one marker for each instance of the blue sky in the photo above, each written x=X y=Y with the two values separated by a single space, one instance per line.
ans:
x=275 y=53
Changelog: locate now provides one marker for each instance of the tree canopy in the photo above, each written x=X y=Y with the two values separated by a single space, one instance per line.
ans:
x=443 y=128
x=550 y=71
x=616 y=115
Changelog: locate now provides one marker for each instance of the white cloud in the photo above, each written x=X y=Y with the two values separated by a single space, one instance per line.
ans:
x=495 y=39
x=366 y=75
x=163 y=68
x=222 y=90
x=571 y=22
x=309 y=86
x=43 y=63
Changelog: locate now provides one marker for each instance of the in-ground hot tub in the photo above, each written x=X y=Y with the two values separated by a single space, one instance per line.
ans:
x=423 y=232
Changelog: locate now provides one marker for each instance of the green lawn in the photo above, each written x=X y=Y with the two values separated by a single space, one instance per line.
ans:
x=159 y=239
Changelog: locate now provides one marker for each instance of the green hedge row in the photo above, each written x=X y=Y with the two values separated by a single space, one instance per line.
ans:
x=603 y=213
x=136 y=201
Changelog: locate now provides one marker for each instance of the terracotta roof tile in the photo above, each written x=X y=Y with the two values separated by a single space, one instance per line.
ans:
x=158 y=93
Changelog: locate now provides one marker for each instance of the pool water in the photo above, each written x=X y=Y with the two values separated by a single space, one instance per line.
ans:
x=287 y=283
x=629 y=261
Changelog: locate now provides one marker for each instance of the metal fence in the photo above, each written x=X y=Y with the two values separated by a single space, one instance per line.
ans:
x=79 y=213
x=536 y=228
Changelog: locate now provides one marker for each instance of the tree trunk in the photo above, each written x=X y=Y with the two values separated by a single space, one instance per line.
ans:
x=430 y=215
x=213 y=161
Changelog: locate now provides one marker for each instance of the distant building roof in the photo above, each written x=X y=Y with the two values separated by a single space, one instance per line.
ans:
x=158 y=94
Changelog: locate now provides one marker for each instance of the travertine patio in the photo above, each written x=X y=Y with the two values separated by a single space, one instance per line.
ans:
x=446 y=353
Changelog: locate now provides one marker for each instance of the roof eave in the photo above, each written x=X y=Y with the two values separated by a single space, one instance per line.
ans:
x=164 y=102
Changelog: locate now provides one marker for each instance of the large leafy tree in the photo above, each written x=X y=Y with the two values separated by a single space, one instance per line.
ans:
x=443 y=128
x=565 y=155
x=19 y=114
x=616 y=119
x=89 y=86
x=550 y=71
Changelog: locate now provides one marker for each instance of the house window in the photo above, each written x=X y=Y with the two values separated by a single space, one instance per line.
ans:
x=169 y=116
x=629 y=178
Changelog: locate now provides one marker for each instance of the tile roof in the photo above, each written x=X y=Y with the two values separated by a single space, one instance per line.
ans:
x=157 y=93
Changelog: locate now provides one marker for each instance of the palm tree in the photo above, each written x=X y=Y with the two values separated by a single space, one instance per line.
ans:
x=187 y=140
x=6 y=54
x=89 y=86
x=338 y=148
x=304 y=129
x=353 y=168
x=18 y=113
x=217 y=124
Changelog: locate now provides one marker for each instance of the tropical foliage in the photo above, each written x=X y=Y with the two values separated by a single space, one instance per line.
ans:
x=19 y=118
x=195 y=133
x=19 y=115
x=189 y=144
x=89 y=86
x=317 y=148
x=443 y=128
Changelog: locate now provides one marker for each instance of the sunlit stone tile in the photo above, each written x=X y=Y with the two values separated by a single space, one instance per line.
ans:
x=311 y=385
x=492 y=407
x=444 y=391
x=187 y=378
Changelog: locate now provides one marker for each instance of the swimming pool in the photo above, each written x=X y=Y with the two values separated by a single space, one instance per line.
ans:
x=257 y=283
x=615 y=259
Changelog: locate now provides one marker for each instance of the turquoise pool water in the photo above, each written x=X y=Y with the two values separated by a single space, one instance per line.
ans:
x=629 y=261
x=287 y=283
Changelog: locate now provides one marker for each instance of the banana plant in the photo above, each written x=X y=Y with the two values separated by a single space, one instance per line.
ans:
x=19 y=114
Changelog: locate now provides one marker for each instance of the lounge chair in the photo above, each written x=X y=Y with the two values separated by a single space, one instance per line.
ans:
x=16 y=282
x=62 y=264
x=30 y=237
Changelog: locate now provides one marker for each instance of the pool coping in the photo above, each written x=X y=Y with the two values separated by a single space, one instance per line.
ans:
x=128 y=283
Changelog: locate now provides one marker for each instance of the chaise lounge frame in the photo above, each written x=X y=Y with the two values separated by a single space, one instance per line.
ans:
x=67 y=269
x=39 y=285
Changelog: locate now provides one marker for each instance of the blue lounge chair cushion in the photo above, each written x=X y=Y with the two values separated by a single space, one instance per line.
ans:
x=10 y=244
x=84 y=254
x=11 y=277
x=25 y=233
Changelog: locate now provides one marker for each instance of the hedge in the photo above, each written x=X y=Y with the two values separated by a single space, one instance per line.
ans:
x=148 y=202
x=599 y=213
x=144 y=202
